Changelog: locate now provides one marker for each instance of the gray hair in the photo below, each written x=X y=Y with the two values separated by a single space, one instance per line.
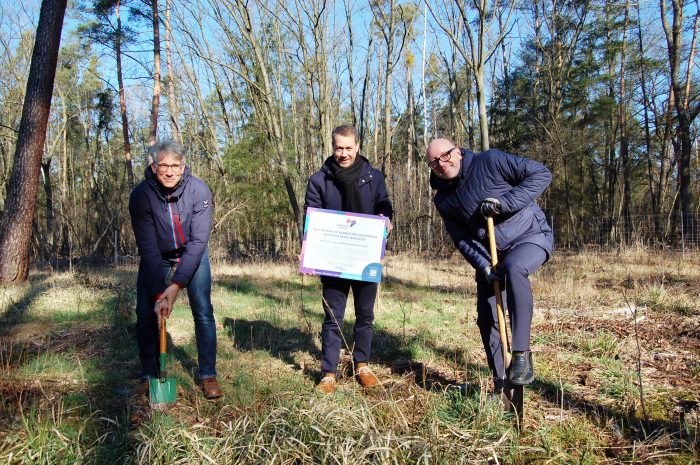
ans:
x=166 y=147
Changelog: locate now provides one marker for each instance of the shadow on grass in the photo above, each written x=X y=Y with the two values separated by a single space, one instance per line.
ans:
x=179 y=353
x=99 y=351
x=630 y=425
x=396 y=352
x=98 y=403
x=277 y=292
x=406 y=291
x=17 y=310
x=391 y=351
x=282 y=343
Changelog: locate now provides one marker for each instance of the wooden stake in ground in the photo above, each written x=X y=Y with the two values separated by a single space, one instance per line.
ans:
x=514 y=393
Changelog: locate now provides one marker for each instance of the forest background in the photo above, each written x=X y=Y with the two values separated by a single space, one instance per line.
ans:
x=604 y=93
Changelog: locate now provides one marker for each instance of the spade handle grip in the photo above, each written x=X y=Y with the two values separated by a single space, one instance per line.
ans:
x=162 y=337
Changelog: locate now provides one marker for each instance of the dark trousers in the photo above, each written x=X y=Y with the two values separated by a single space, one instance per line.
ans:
x=516 y=266
x=199 y=294
x=335 y=296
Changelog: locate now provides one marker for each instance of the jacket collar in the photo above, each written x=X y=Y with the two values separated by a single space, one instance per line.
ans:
x=325 y=168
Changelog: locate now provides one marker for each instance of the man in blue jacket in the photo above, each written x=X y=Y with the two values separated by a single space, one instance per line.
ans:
x=471 y=187
x=347 y=182
x=171 y=214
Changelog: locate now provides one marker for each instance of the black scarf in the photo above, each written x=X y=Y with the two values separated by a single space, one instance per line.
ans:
x=347 y=178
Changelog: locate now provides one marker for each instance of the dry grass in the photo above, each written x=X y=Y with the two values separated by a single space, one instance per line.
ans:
x=603 y=323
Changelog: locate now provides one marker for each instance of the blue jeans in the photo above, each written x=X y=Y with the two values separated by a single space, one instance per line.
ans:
x=199 y=294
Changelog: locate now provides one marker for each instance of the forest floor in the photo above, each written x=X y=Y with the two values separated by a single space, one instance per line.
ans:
x=616 y=340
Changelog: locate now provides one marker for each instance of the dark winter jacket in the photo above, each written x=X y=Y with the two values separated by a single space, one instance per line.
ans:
x=171 y=225
x=516 y=182
x=322 y=190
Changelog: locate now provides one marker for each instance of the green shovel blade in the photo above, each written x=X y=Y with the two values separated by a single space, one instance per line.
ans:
x=162 y=390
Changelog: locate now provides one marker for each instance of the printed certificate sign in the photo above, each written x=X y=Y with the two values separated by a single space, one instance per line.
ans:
x=343 y=244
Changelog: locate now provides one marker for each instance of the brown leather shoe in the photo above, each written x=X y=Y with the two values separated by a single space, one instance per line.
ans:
x=211 y=388
x=365 y=375
x=327 y=384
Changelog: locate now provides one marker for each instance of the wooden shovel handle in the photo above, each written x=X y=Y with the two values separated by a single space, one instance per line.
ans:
x=497 y=291
x=162 y=337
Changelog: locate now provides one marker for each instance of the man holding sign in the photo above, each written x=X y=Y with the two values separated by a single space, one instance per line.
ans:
x=347 y=182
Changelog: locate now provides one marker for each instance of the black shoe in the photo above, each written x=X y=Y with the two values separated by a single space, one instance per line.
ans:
x=521 y=370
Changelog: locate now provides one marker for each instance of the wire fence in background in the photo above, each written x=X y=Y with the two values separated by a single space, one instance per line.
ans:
x=647 y=231
x=429 y=237
x=426 y=235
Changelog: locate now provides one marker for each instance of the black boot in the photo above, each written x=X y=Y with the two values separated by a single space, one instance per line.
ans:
x=521 y=368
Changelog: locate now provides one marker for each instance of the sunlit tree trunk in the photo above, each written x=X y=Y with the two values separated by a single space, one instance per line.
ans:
x=350 y=52
x=475 y=48
x=16 y=227
x=269 y=111
x=155 y=103
x=624 y=138
x=684 y=115
x=122 y=99
x=172 y=100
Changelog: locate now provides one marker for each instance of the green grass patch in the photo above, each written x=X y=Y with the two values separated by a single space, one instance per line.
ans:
x=68 y=358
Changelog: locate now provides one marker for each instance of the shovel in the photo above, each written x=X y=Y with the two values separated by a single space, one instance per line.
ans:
x=163 y=389
x=514 y=393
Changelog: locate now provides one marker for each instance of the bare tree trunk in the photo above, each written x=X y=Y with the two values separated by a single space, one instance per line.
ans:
x=481 y=103
x=624 y=139
x=155 y=103
x=16 y=227
x=320 y=61
x=172 y=102
x=50 y=227
x=685 y=116
x=122 y=99
x=351 y=81
x=269 y=113
x=538 y=46
x=386 y=160
x=473 y=47
x=505 y=59
x=411 y=149
x=422 y=79
x=647 y=132
x=388 y=24
x=377 y=105
x=364 y=102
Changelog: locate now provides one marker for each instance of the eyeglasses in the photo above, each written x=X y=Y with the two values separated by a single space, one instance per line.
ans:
x=176 y=168
x=444 y=156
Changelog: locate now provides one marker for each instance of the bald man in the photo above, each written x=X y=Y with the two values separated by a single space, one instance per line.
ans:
x=471 y=187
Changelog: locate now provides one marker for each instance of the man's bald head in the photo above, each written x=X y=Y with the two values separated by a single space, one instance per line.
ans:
x=444 y=158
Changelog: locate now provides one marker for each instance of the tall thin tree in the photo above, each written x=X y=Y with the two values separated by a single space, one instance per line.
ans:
x=16 y=228
x=155 y=103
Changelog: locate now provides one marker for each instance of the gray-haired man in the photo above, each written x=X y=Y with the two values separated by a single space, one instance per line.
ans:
x=171 y=214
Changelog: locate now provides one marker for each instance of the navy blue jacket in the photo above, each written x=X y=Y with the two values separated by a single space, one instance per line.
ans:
x=516 y=182
x=172 y=225
x=322 y=190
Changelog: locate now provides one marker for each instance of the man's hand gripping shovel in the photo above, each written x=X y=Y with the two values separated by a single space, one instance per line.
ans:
x=515 y=394
x=163 y=389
